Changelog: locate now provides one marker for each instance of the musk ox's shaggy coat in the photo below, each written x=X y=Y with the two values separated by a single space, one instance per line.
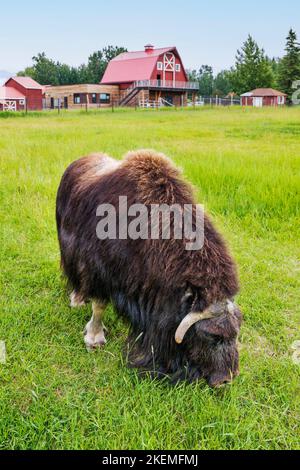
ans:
x=155 y=284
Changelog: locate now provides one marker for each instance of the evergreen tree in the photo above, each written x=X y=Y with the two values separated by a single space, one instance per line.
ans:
x=252 y=68
x=289 y=69
x=223 y=83
x=274 y=63
x=206 y=80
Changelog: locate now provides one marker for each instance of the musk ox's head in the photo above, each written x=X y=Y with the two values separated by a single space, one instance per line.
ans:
x=209 y=339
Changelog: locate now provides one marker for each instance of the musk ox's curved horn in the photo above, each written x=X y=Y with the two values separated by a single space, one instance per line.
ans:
x=214 y=310
x=189 y=321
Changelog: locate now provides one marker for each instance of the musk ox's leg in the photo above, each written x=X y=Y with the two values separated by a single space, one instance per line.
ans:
x=94 y=332
x=76 y=300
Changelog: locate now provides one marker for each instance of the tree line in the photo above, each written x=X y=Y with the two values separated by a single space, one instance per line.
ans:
x=252 y=69
x=49 y=72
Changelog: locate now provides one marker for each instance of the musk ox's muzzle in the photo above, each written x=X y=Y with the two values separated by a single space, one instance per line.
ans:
x=212 y=346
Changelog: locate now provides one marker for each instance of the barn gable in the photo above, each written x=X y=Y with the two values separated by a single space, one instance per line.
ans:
x=143 y=65
x=25 y=82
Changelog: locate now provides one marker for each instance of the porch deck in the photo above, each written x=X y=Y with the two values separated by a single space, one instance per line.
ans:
x=166 y=85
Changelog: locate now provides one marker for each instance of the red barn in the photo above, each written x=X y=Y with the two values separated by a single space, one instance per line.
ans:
x=150 y=76
x=20 y=93
x=263 y=97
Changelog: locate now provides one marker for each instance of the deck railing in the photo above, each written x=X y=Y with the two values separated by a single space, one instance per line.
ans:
x=166 y=84
x=149 y=104
x=158 y=84
x=154 y=104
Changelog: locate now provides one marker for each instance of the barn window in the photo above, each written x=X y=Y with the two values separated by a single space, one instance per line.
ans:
x=104 y=98
x=159 y=65
x=94 y=98
x=178 y=67
x=77 y=98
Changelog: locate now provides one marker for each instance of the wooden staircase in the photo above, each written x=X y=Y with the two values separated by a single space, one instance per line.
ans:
x=130 y=95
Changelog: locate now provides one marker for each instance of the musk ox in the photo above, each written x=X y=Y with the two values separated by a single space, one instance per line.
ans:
x=180 y=305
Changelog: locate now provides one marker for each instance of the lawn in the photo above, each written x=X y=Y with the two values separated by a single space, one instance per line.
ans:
x=244 y=164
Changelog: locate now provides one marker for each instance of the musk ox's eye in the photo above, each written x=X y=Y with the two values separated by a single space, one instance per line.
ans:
x=217 y=339
x=212 y=339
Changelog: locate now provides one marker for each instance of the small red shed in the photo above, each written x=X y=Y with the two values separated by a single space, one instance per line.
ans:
x=31 y=91
x=263 y=97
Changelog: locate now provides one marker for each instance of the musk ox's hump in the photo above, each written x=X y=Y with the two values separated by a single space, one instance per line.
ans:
x=157 y=179
x=82 y=173
x=93 y=166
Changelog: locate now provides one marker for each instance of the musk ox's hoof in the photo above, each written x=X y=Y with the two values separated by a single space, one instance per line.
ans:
x=76 y=300
x=93 y=343
x=94 y=339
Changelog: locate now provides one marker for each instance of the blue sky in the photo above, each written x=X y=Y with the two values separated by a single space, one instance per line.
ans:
x=205 y=32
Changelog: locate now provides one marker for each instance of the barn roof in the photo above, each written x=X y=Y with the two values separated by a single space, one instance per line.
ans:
x=131 y=66
x=263 y=92
x=10 y=93
x=26 y=82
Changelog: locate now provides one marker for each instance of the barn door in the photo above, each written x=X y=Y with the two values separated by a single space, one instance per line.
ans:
x=10 y=106
x=257 y=102
x=169 y=67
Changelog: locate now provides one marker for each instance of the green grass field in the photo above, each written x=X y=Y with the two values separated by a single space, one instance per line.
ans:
x=53 y=394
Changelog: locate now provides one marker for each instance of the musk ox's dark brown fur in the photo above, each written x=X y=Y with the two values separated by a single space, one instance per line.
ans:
x=153 y=283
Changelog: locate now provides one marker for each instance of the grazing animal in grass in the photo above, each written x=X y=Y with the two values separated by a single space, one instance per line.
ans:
x=184 y=323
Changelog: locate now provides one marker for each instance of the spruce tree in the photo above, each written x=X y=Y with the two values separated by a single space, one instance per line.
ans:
x=252 y=68
x=289 y=69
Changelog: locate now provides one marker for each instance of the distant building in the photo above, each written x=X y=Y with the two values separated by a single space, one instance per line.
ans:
x=81 y=96
x=263 y=97
x=152 y=75
x=21 y=93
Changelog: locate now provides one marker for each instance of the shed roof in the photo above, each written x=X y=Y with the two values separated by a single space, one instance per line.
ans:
x=131 y=66
x=26 y=82
x=10 y=93
x=263 y=92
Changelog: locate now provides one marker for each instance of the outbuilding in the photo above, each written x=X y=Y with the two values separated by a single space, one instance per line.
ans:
x=21 y=93
x=263 y=97
x=81 y=96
